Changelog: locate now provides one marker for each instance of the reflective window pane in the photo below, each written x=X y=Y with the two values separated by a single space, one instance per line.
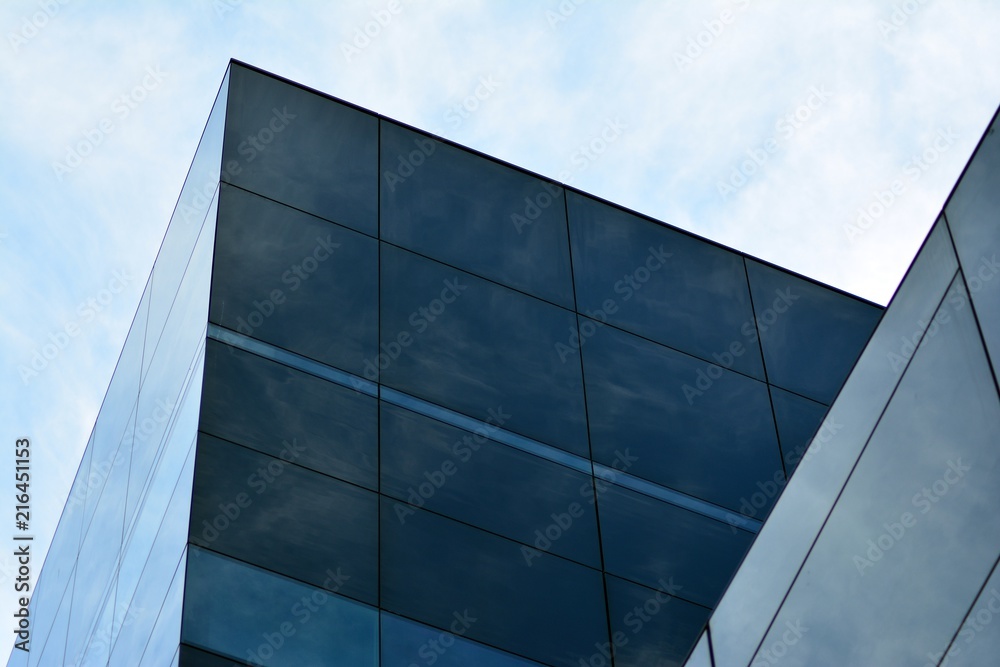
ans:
x=978 y=642
x=479 y=481
x=701 y=656
x=662 y=284
x=742 y=617
x=406 y=642
x=932 y=520
x=450 y=338
x=797 y=419
x=301 y=149
x=490 y=589
x=294 y=280
x=192 y=657
x=471 y=212
x=810 y=334
x=668 y=548
x=328 y=529
x=271 y=407
x=971 y=214
x=651 y=627
x=649 y=418
x=233 y=608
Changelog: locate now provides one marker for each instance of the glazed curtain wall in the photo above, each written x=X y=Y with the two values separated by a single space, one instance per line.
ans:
x=884 y=547
x=456 y=414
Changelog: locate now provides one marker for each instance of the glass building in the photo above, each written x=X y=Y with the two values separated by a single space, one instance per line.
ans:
x=387 y=401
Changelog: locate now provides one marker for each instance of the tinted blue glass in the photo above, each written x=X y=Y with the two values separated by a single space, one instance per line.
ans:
x=487 y=588
x=166 y=633
x=932 y=520
x=450 y=338
x=662 y=284
x=295 y=280
x=328 y=529
x=98 y=646
x=270 y=407
x=666 y=547
x=810 y=334
x=972 y=213
x=406 y=642
x=649 y=418
x=232 y=608
x=54 y=648
x=651 y=627
x=474 y=213
x=192 y=657
x=171 y=369
x=138 y=612
x=504 y=490
x=194 y=204
x=978 y=642
x=302 y=149
x=797 y=419
x=742 y=617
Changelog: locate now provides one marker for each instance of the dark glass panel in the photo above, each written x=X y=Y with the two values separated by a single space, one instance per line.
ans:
x=662 y=284
x=651 y=627
x=797 y=419
x=479 y=348
x=474 y=213
x=666 y=547
x=192 y=657
x=250 y=614
x=271 y=407
x=479 y=481
x=920 y=506
x=302 y=149
x=294 y=280
x=406 y=642
x=742 y=617
x=271 y=513
x=701 y=655
x=488 y=588
x=650 y=416
x=810 y=334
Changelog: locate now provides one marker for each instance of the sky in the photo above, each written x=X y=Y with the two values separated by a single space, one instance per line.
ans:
x=823 y=136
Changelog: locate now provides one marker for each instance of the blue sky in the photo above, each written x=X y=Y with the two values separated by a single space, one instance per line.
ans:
x=764 y=125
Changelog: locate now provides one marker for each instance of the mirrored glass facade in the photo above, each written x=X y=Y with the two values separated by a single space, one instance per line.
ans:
x=884 y=547
x=388 y=401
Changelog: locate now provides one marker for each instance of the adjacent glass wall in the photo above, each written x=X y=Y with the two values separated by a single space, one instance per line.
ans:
x=884 y=548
